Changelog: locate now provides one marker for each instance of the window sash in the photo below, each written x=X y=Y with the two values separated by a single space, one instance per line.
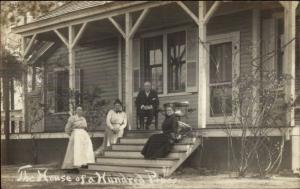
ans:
x=234 y=38
x=176 y=43
x=62 y=91
x=222 y=104
x=164 y=64
x=153 y=53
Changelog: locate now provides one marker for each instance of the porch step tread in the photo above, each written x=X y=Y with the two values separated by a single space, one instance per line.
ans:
x=138 y=151
x=138 y=147
x=138 y=144
x=144 y=140
x=138 y=158
x=137 y=154
x=135 y=162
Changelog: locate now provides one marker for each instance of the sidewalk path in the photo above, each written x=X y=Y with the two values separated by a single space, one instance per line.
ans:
x=10 y=175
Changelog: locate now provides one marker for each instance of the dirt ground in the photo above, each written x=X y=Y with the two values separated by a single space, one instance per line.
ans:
x=187 y=178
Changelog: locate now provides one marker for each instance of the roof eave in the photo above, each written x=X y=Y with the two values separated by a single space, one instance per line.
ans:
x=23 y=29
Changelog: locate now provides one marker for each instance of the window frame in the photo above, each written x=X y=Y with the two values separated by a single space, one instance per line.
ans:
x=164 y=33
x=55 y=72
x=234 y=38
x=155 y=65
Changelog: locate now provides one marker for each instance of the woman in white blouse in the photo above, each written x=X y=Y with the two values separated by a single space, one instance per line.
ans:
x=116 y=121
x=80 y=148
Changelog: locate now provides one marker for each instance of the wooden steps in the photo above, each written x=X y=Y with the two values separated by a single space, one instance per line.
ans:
x=144 y=140
x=137 y=162
x=126 y=157
x=139 y=147
x=137 y=154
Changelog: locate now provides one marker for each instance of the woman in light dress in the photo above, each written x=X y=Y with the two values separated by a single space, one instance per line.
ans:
x=116 y=121
x=80 y=149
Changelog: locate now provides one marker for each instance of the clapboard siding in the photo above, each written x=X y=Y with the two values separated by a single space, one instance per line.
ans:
x=99 y=64
x=98 y=61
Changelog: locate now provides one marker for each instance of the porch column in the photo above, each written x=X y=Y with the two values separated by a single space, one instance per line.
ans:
x=290 y=54
x=71 y=70
x=202 y=75
x=289 y=68
x=128 y=69
x=256 y=48
x=120 y=68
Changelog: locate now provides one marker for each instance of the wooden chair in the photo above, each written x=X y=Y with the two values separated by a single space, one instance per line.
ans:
x=154 y=120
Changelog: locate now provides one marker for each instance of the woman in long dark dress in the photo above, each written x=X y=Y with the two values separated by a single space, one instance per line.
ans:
x=160 y=145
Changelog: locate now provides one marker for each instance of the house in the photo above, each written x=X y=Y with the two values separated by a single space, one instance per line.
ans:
x=118 y=45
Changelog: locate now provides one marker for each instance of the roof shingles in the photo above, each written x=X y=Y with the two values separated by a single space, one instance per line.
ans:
x=71 y=7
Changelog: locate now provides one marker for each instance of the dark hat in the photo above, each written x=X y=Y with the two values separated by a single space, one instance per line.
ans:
x=118 y=101
x=169 y=105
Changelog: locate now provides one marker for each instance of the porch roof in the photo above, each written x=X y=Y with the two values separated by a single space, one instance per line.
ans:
x=77 y=12
x=71 y=7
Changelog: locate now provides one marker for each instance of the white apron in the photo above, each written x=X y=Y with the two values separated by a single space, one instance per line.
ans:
x=80 y=148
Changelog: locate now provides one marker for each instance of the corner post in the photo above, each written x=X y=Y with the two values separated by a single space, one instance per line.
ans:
x=202 y=75
x=128 y=69
x=25 y=86
x=71 y=69
x=289 y=68
x=256 y=47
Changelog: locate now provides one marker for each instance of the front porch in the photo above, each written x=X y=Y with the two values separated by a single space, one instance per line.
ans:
x=107 y=48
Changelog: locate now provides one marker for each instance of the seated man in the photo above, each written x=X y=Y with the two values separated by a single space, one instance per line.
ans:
x=147 y=104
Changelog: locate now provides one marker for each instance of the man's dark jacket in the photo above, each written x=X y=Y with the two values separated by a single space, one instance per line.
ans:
x=142 y=99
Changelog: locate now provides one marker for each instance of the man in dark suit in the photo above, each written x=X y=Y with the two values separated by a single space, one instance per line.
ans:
x=147 y=103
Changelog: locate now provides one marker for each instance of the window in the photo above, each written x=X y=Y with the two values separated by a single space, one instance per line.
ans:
x=220 y=77
x=62 y=91
x=169 y=62
x=222 y=66
x=176 y=62
x=279 y=45
x=272 y=45
x=154 y=62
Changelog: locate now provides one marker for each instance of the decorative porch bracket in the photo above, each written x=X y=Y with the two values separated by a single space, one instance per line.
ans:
x=26 y=49
x=63 y=39
x=71 y=43
x=132 y=29
x=119 y=28
x=211 y=11
x=79 y=34
x=138 y=23
x=188 y=11
x=207 y=15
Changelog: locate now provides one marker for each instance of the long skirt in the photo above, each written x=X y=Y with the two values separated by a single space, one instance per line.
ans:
x=157 y=146
x=79 y=150
x=110 y=138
